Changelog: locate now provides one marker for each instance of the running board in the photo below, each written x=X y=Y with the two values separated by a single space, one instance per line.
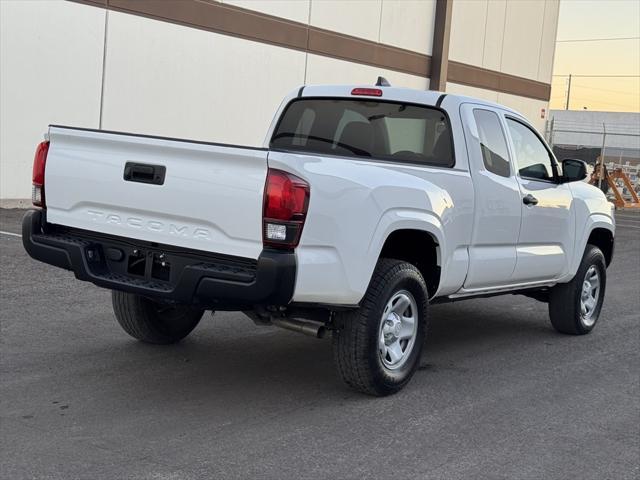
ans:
x=528 y=290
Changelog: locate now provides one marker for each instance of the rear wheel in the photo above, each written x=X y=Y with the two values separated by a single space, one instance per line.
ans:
x=574 y=307
x=377 y=347
x=153 y=322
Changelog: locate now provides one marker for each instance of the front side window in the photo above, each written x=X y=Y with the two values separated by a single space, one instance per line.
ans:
x=367 y=129
x=492 y=142
x=532 y=157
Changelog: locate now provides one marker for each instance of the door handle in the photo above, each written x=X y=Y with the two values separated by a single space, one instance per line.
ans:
x=144 y=173
x=530 y=200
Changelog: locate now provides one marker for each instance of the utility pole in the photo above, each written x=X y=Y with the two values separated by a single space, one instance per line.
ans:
x=604 y=142
x=568 y=93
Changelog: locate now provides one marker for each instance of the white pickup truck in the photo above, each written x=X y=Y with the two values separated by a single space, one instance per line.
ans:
x=365 y=205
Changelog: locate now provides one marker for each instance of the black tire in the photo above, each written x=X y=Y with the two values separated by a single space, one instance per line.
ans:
x=153 y=322
x=565 y=298
x=355 y=342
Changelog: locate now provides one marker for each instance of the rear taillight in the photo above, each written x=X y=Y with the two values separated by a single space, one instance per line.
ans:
x=39 y=162
x=286 y=200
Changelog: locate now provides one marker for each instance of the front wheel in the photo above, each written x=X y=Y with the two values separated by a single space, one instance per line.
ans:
x=153 y=322
x=574 y=307
x=377 y=347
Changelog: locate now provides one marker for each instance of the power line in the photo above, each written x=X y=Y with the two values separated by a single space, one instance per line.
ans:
x=597 y=76
x=607 y=90
x=609 y=39
x=569 y=121
x=577 y=127
x=592 y=101
x=570 y=77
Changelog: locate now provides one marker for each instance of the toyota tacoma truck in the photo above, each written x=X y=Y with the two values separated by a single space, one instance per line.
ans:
x=365 y=205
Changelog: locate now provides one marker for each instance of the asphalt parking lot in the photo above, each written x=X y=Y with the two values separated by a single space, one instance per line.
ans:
x=498 y=395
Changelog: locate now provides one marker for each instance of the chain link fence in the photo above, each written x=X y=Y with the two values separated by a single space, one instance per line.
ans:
x=616 y=146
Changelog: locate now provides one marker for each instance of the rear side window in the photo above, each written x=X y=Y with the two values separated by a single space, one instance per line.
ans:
x=492 y=142
x=366 y=129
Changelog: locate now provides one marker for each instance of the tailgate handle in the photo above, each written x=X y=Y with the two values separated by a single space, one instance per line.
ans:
x=144 y=173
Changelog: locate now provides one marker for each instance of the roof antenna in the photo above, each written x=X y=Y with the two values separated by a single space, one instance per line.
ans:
x=382 y=82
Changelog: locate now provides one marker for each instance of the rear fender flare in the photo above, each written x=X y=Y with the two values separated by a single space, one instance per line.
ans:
x=404 y=219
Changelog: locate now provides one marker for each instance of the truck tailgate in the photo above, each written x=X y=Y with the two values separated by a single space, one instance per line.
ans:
x=210 y=196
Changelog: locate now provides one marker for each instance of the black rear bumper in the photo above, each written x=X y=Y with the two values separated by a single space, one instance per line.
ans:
x=161 y=271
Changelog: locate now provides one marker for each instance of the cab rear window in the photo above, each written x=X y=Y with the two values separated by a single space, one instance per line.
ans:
x=390 y=131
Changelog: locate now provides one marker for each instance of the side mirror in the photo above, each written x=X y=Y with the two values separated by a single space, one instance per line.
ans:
x=573 y=170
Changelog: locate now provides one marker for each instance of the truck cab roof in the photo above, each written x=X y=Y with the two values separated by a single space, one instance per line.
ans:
x=399 y=94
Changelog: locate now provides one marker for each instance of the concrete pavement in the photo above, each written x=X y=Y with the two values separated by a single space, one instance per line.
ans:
x=498 y=395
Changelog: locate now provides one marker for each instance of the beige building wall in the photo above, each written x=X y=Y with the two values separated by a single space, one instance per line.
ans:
x=47 y=75
x=177 y=81
x=513 y=37
x=79 y=64
x=296 y=10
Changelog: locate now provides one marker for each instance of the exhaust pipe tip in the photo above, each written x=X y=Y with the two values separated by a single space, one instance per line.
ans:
x=322 y=331
x=311 y=329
